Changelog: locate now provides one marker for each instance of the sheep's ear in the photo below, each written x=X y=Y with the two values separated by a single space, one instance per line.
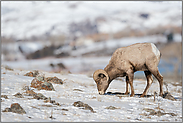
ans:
x=100 y=74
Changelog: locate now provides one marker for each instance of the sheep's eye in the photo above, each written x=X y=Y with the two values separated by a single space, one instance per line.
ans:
x=101 y=75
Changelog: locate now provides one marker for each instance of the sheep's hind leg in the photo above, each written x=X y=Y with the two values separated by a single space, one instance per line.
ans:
x=149 y=82
x=159 y=77
x=127 y=81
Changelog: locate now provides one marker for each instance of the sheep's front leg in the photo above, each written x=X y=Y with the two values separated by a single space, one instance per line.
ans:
x=130 y=75
x=127 y=81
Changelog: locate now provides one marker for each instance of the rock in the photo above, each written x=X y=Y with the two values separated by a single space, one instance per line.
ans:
x=18 y=95
x=54 y=80
x=8 y=68
x=167 y=95
x=52 y=101
x=111 y=108
x=30 y=93
x=77 y=90
x=7 y=110
x=32 y=74
x=15 y=108
x=61 y=65
x=40 y=83
x=158 y=113
x=39 y=96
x=64 y=109
x=86 y=106
x=4 y=96
x=26 y=88
x=48 y=100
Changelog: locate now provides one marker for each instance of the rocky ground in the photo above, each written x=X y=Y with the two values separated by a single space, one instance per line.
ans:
x=49 y=96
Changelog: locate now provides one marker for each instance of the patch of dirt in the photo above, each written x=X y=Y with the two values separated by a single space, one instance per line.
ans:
x=15 y=108
x=18 y=95
x=85 y=106
x=5 y=96
x=167 y=95
x=32 y=74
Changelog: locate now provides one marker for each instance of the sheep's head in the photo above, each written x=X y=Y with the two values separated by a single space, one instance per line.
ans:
x=101 y=78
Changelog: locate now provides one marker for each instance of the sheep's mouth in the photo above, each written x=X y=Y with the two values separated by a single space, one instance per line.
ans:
x=101 y=92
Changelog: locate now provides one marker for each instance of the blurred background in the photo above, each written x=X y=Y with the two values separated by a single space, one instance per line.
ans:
x=80 y=37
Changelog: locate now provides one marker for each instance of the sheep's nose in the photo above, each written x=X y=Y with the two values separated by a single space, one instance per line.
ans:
x=101 y=93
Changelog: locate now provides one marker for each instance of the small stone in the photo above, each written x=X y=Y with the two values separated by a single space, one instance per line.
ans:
x=15 y=108
x=26 y=88
x=65 y=109
x=54 y=80
x=18 y=95
x=40 y=78
x=30 y=93
x=86 y=106
x=7 y=110
x=4 y=96
x=111 y=108
x=32 y=74
x=8 y=68
x=39 y=96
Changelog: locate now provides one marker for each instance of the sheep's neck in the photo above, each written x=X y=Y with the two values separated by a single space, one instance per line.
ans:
x=113 y=72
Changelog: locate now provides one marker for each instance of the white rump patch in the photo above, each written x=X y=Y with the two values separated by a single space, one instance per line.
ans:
x=155 y=51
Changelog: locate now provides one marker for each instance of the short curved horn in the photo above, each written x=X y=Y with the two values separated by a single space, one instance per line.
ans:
x=98 y=72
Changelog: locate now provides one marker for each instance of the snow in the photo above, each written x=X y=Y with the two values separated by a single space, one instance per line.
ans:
x=130 y=108
x=36 y=18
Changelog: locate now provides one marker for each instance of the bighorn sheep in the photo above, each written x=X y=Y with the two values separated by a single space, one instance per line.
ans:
x=127 y=60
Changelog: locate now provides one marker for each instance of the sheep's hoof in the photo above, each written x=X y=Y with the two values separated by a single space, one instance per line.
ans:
x=132 y=95
x=142 y=95
x=126 y=93
x=161 y=94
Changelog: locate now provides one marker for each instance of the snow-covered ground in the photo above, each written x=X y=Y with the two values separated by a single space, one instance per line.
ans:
x=130 y=109
x=24 y=19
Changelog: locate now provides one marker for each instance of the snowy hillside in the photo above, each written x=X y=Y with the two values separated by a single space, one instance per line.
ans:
x=27 y=19
x=112 y=106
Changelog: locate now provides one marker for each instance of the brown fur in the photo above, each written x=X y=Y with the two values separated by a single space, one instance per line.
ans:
x=127 y=60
